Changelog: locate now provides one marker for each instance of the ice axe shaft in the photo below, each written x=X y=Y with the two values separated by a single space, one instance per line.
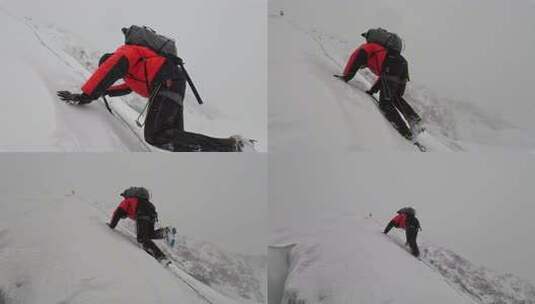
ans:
x=138 y=120
x=107 y=104
x=152 y=96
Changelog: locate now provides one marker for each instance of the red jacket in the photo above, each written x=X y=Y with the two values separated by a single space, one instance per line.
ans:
x=137 y=66
x=129 y=205
x=370 y=55
x=400 y=221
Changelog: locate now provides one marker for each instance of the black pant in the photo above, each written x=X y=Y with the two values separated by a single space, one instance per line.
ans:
x=165 y=116
x=411 y=234
x=393 y=106
x=145 y=235
x=164 y=125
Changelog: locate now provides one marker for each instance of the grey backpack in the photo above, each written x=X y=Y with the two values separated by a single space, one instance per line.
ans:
x=147 y=37
x=407 y=210
x=389 y=40
x=139 y=192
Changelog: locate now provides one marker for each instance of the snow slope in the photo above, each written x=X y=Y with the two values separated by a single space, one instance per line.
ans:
x=309 y=41
x=36 y=120
x=367 y=268
x=373 y=268
x=238 y=276
x=311 y=110
x=333 y=208
x=45 y=56
x=57 y=249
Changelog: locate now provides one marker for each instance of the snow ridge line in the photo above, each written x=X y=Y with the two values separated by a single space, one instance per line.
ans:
x=131 y=237
x=317 y=40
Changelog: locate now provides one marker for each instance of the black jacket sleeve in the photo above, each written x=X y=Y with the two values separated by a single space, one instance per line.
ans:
x=389 y=227
x=402 y=87
x=405 y=74
x=117 y=215
x=404 y=77
x=118 y=92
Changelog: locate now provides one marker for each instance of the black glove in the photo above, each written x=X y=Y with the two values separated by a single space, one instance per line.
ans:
x=109 y=225
x=74 y=99
x=341 y=77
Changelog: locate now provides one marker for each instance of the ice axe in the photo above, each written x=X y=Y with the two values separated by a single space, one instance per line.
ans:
x=138 y=122
x=154 y=93
x=106 y=103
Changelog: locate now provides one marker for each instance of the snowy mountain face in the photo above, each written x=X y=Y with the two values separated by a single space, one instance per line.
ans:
x=57 y=249
x=237 y=276
x=484 y=285
x=240 y=277
x=373 y=268
x=312 y=40
x=328 y=214
x=45 y=56
x=330 y=265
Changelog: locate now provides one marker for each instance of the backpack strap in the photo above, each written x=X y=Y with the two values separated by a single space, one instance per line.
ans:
x=146 y=75
x=163 y=45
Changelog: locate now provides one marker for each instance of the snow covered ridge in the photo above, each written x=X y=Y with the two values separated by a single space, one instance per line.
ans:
x=240 y=277
x=57 y=249
x=371 y=267
x=484 y=285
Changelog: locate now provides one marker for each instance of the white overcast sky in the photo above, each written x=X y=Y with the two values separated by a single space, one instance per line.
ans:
x=214 y=197
x=480 y=206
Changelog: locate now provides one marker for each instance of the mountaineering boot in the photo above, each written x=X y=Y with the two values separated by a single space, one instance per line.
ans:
x=192 y=142
x=149 y=251
x=416 y=126
x=170 y=236
x=243 y=144
x=393 y=116
x=165 y=262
